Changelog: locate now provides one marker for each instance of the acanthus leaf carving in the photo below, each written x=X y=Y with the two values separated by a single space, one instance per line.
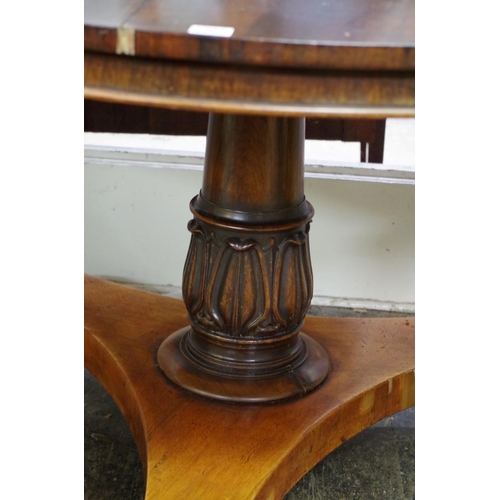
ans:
x=248 y=287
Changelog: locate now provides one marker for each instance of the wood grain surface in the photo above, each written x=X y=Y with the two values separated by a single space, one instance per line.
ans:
x=192 y=447
x=247 y=280
x=246 y=90
x=322 y=58
x=320 y=34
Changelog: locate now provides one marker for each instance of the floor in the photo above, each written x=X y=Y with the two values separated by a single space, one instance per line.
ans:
x=378 y=463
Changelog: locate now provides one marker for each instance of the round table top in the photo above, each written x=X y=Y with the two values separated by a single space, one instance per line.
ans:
x=276 y=56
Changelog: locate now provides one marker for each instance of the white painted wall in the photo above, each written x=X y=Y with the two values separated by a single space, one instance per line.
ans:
x=363 y=243
x=362 y=236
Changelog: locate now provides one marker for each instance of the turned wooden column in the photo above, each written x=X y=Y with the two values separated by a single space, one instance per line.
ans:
x=247 y=281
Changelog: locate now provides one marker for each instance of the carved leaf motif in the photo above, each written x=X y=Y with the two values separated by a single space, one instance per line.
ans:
x=241 y=245
x=239 y=295
x=241 y=289
x=194 y=226
x=293 y=280
x=194 y=275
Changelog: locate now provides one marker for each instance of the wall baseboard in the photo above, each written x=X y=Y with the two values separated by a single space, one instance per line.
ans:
x=347 y=303
x=370 y=304
x=153 y=154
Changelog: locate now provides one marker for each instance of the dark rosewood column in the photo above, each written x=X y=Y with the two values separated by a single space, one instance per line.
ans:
x=247 y=280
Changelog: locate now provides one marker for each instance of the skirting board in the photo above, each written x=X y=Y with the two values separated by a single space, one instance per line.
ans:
x=162 y=152
x=370 y=304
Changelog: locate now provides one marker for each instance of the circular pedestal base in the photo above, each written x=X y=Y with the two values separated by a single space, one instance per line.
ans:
x=296 y=382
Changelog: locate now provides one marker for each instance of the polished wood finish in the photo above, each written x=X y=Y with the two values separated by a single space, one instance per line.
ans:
x=248 y=90
x=254 y=164
x=289 y=59
x=317 y=34
x=247 y=281
x=343 y=58
x=192 y=447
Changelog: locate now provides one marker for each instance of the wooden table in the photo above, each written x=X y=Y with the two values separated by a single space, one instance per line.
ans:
x=235 y=393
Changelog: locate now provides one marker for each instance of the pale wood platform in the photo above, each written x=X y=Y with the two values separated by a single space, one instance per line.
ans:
x=197 y=448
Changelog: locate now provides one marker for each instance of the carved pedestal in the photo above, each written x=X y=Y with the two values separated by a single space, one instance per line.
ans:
x=247 y=281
